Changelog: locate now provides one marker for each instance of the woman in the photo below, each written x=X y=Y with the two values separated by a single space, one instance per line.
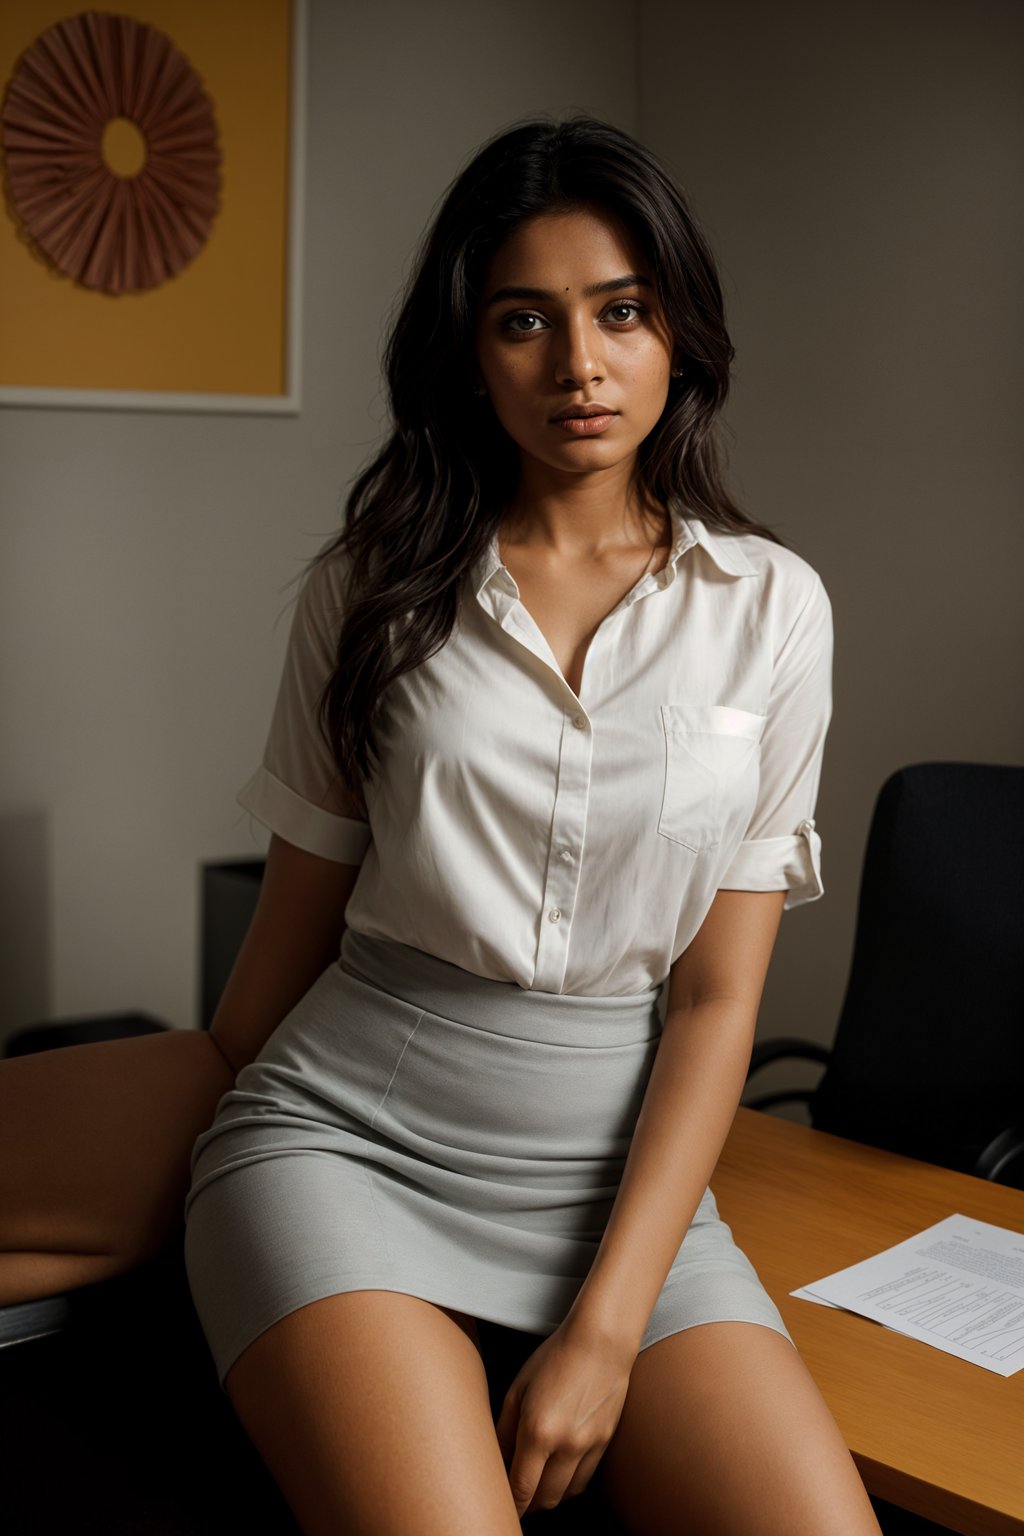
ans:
x=545 y=754
x=548 y=741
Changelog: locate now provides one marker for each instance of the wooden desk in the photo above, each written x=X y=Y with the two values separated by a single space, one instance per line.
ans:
x=928 y=1431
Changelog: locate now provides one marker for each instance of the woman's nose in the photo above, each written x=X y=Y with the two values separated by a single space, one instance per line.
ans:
x=578 y=359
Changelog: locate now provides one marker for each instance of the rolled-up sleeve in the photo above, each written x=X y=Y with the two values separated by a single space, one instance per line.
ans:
x=781 y=848
x=297 y=790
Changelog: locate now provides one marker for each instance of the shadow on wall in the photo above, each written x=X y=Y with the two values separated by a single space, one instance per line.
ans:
x=25 y=910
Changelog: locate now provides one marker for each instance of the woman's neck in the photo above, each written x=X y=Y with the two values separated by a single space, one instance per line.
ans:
x=580 y=521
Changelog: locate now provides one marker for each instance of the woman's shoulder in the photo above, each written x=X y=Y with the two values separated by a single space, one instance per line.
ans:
x=771 y=558
x=323 y=586
x=788 y=595
x=785 y=577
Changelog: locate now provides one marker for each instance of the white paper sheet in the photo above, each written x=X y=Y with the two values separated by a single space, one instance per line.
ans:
x=958 y=1286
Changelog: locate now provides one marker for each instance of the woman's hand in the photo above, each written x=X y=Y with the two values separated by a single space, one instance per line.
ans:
x=559 y=1414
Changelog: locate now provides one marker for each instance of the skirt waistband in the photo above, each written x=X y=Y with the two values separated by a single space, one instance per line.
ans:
x=501 y=1007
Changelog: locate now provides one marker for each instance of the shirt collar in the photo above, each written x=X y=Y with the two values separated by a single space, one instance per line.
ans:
x=688 y=531
x=722 y=547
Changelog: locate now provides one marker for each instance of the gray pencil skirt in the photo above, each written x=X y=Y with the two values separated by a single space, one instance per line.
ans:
x=413 y=1127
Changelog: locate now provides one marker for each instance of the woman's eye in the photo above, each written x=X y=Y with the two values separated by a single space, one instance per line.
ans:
x=630 y=306
x=508 y=324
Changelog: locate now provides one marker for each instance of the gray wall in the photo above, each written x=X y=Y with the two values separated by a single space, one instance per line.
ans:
x=144 y=558
x=857 y=164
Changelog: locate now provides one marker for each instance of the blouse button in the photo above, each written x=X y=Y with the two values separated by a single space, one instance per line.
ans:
x=566 y=854
x=554 y=915
x=580 y=722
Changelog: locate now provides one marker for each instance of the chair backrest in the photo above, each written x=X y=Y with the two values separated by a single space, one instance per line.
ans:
x=928 y=1057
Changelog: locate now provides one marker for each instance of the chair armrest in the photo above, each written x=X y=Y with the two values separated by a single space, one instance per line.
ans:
x=111 y=1302
x=1003 y=1150
x=24 y=1320
x=785 y=1047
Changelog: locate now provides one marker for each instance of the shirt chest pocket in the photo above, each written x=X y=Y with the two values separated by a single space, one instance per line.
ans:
x=709 y=748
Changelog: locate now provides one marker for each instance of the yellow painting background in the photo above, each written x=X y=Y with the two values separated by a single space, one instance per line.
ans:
x=219 y=325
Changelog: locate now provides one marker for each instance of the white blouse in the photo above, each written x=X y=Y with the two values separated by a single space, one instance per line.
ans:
x=574 y=844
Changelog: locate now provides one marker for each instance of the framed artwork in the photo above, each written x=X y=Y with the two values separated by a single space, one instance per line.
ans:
x=150 y=234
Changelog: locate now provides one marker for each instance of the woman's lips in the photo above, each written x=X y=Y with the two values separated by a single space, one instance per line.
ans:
x=585 y=426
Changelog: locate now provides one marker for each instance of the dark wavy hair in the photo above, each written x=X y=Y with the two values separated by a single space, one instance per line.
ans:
x=429 y=502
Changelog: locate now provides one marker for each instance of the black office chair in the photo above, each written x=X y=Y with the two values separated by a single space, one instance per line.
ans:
x=928 y=1054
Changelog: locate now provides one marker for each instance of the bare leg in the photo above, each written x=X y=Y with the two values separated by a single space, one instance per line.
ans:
x=95 y=1143
x=724 y=1432
x=370 y=1409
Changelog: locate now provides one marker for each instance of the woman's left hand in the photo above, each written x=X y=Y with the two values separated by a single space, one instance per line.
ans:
x=559 y=1414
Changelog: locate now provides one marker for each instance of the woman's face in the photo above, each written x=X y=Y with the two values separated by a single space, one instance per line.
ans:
x=562 y=344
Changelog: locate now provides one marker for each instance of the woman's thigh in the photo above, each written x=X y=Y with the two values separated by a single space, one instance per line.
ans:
x=95 y=1142
x=724 y=1432
x=370 y=1410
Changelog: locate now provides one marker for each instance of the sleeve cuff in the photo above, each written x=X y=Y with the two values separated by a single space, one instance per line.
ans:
x=306 y=825
x=791 y=864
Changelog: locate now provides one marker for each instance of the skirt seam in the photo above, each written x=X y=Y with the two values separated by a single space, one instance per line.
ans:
x=394 y=1070
x=368 y=1175
x=368 y=1160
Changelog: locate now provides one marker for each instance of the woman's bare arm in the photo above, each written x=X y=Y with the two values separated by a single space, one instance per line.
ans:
x=689 y=1104
x=96 y=1140
x=294 y=935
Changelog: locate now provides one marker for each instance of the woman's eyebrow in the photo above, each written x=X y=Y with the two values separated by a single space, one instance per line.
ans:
x=631 y=280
